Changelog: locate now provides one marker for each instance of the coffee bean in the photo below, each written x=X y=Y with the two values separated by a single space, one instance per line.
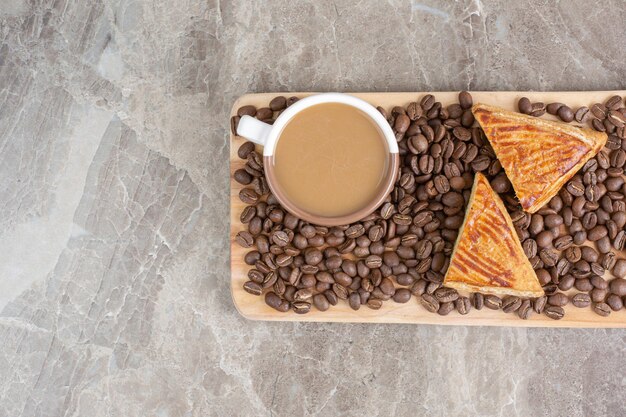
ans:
x=549 y=256
x=301 y=307
x=246 y=111
x=564 y=242
x=538 y=109
x=598 y=295
x=604 y=245
x=477 y=300
x=544 y=239
x=566 y=114
x=524 y=105
x=445 y=294
x=511 y=304
x=244 y=239
x=321 y=302
x=554 y=312
x=429 y=302
x=462 y=305
x=598 y=125
x=573 y=254
x=614 y=102
x=620 y=240
x=553 y=108
x=582 y=114
x=530 y=248
x=501 y=184
x=618 y=285
x=525 y=310
x=245 y=149
x=539 y=304
x=465 y=100
x=614 y=302
x=273 y=300
x=242 y=177
x=248 y=196
x=492 y=302
x=402 y=295
x=602 y=309
x=253 y=288
x=558 y=299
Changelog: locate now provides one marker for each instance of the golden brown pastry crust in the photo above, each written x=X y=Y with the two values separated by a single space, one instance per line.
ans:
x=539 y=156
x=487 y=255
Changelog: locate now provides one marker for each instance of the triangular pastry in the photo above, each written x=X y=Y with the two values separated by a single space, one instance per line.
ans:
x=487 y=255
x=539 y=156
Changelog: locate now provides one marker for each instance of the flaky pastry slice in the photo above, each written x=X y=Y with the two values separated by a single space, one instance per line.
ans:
x=539 y=156
x=487 y=255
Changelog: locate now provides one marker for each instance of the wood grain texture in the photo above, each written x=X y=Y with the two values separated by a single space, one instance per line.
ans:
x=254 y=308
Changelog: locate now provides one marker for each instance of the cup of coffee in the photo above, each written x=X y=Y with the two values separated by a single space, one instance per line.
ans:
x=330 y=159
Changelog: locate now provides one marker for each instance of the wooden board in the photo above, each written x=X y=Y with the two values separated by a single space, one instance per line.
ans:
x=253 y=307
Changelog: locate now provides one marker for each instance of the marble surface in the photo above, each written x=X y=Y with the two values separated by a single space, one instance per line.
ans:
x=114 y=292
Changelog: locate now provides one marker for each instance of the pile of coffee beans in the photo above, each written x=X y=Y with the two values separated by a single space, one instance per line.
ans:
x=403 y=249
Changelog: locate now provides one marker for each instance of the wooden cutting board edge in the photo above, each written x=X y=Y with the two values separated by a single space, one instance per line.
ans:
x=254 y=308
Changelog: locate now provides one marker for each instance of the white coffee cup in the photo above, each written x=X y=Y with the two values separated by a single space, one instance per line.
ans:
x=268 y=135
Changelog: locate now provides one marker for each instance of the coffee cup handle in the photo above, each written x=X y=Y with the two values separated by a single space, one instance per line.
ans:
x=254 y=130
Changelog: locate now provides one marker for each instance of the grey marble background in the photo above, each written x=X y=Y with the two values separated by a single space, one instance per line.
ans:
x=114 y=259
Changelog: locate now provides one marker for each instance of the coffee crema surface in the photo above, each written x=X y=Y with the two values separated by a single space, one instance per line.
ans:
x=331 y=160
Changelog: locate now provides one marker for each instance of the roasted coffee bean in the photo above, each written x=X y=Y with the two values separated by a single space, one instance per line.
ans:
x=544 y=239
x=558 y=299
x=590 y=220
x=539 y=304
x=402 y=295
x=465 y=100
x=374 y=303
x=354 y=301
x=530 y=248
x=553 y=220
x=492 y=302
x=543 y=276
x=553 y=108
x=538 y=109
x=252 y=257
x=615 y=302
x=253 y=288
x=554 y=312
x=511 y=304
x=524 y=105
x=614 y=102
x=429 y=302
x=242 y=177
x=462 y=305
x=273 y=300
x=620 y=240
x=573 y=254
x=598 y=295
x=477 y=300
x=618 y=285
x=597 y=269
x=244 y=239
x=248 y=196
x=321 y=302
x=525 y=310
x=582 y=114
x=301 y=307
x=340 y=291
x=445 y=308
x=565 y=113
x=602 y=309
x=549 y=256
x=562 y=267
x=581 y=300
x=564 y=242
x=445 y=294
x=604 y=245
x=418 y=287
x=598 y=125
